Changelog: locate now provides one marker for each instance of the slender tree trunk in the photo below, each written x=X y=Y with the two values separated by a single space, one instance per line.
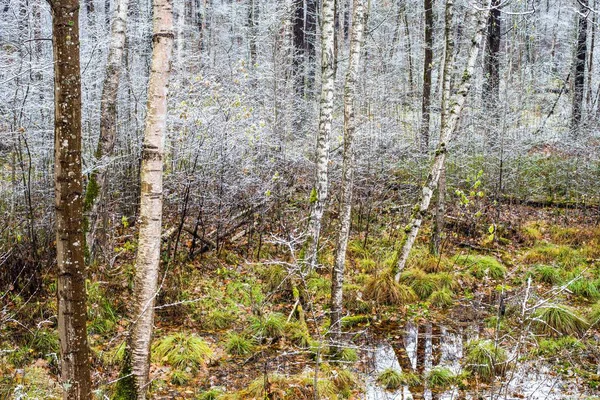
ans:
x=337 y=277
x=579 y=68
x=411 y=81
x=491 y=67
x=591 y=60
x=427 y=68
x=148 y=256
x=318 y=195
x=98 y=183
x=438 y=224
x=75 y=369
x=252 y=26
x=456 y=104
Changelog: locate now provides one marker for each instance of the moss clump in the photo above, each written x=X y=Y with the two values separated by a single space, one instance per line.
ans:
x=298 y=334
x=532 y=232
x=353 y=320
x=485 y=359
x=384 y=290
x=182 y=350
x=555 y=319
x=441 y=298
x=238 y=345
x=390 y=379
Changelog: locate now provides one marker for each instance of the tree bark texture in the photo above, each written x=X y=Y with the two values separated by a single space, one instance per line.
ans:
x=148 y=255
x=427 y=68
x=68 y=195
x=337 y=277
x=318 y=196
x=579 y=67
x=456 y=106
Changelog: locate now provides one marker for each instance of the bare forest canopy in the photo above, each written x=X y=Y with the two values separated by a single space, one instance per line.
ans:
x=216 y=198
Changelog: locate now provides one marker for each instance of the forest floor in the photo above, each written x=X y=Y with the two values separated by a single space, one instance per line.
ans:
x=524 y=290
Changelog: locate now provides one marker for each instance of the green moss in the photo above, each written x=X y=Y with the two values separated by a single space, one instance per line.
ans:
x=91 y=193
x=313 y=196
x=546 y=253
x=298 y=334
x=583 y=287
x=125 y=386
x=353 y=320
x=552 y=347
x=219 y=319
x=212 y=394
x=180 y=378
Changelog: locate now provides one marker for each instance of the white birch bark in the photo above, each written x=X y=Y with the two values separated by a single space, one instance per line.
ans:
x=108 y=121
x=318 y=196
x=456 y=106
x=337 y=277
x=148 y=255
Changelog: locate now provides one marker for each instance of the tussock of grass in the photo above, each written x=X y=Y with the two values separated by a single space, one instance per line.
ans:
x=238 y=345
x=546 y=274
x=384 y=290
x=594 y=315
x=421 y=258
x=546 y=253
x=583 y=287
x=274 y=278
x=45 y=342
x=446 y=280
x=212 y=394
x=345 y=354
x=441 y=298
x=552 y=347
x=390 y=379
x=180 y=378
x=532 y=232
x=441 y=378
x=482 y=266
x=270 y=326
x=555 y=319
x=485 y=359
x=421 y=282
x=300 y=387
x=219 y=319
x=298 y=334
x=182 y=350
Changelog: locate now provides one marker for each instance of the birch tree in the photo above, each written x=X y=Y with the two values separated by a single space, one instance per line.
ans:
x=318 y=195
x=75 y=369
x=438 y=222
x=97 y=185
x=337 y=277
x=456 y=106
x=151 y=174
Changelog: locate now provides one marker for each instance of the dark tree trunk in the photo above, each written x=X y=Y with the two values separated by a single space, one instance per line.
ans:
x=427 y=67
x=579 y=68
x=75 y=372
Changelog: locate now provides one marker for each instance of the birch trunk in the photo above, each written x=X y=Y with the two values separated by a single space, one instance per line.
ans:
x=456 y=106
x=148 y=255
x=319 y=193
x=438 y=226
x=337 y=277
x=97 y=185
x=75 y=369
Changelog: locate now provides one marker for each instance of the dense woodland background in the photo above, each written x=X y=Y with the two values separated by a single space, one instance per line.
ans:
x=239 y=168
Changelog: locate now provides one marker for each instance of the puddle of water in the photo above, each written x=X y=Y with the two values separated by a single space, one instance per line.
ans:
x=443 y=347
